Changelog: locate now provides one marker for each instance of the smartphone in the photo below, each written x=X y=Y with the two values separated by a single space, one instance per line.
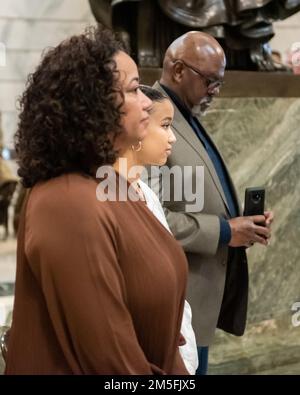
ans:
x=254 y=201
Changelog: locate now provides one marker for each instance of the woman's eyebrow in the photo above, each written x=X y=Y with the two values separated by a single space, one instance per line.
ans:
x=129 y=84
x=167 y=119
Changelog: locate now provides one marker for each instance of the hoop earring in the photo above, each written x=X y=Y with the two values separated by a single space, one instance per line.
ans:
x=137 y=148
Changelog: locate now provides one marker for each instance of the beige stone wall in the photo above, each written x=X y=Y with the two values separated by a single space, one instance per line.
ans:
x=26 y=28
x=286 y=33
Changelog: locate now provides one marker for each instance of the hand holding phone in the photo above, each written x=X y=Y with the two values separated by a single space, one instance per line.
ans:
x=247 y=231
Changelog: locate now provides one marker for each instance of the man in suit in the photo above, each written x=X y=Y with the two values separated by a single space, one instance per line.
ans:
x=214 y=238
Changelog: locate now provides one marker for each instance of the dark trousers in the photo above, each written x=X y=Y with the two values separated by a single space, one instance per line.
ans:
x=203 y=361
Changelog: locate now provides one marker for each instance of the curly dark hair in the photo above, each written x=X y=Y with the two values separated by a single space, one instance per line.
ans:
x=70 y=114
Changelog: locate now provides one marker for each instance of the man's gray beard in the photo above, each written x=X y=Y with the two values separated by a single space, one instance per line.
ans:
x=197 y=112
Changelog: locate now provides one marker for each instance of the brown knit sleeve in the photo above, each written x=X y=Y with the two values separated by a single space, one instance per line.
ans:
x=72 y=248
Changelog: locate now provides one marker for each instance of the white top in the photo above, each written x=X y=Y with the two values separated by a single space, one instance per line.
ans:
x=188 y=352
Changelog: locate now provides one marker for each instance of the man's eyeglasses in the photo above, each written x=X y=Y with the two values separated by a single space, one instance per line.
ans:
x=210 y=83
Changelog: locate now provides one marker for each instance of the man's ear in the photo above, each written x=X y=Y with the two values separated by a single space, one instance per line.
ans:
x=178 y=71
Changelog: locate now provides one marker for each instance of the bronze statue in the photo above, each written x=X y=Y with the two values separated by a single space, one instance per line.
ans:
x=243 y=27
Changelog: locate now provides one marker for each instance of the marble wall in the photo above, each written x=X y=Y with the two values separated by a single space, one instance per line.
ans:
x=27 y=27
x=260 y=141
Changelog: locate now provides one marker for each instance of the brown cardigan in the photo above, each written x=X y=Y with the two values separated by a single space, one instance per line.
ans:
x=100 y=286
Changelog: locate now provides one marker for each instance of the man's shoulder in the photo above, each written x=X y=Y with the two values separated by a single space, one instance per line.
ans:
x=157 y=85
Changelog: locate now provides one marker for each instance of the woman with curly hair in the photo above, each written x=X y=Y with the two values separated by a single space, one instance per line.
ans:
x=100 y=285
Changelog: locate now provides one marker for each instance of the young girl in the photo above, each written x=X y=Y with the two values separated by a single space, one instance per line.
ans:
x=154 y=149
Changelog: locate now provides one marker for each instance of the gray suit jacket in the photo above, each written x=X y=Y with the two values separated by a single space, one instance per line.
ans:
x=218 y=275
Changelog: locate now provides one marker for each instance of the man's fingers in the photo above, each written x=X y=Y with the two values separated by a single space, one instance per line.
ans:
x=260 y=240
x=257 y=239
x=268 y=224
x=258 y=219
x=269 y=215
x=262 y=231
